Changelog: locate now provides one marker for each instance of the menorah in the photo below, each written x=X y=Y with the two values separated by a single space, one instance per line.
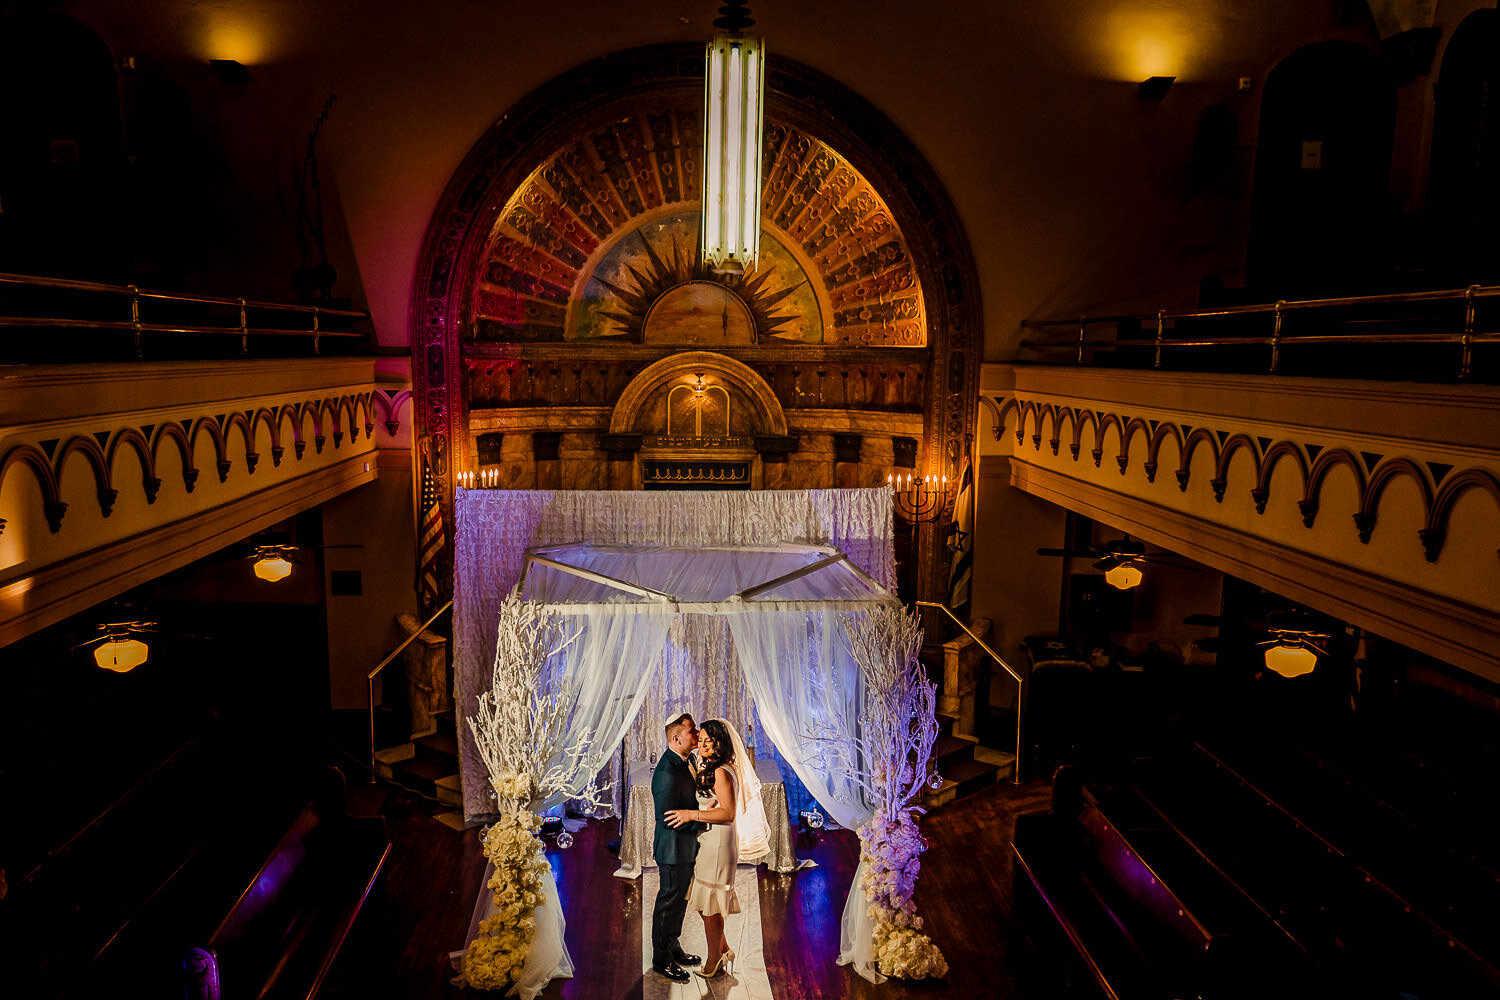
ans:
x=919 y=501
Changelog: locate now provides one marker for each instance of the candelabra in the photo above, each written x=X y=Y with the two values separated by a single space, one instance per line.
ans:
x=484 y=479
x=920 y=501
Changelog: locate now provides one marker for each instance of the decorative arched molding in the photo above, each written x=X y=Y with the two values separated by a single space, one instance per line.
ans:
x=1068 y=416
x=89 y=448
x=101 y=449
x=1278 y=451
x=1234 y=443
x=1044 y=412
x=771 y=419
x=132 y=438
x=1134 y=426
x=1080 y=418
x=46 y=479
x=1196 y=438
x=1265 y=456
x=241 y=420
x=1105 y=422
x=1380 y=477
x=172 y=431
x=1163 y=431
x=211 y=426
x=1435 y=532
x=388 y=403
x=997 y=413
x=1325 y=463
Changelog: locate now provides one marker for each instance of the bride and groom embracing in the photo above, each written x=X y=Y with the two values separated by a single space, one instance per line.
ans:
x=705 y=791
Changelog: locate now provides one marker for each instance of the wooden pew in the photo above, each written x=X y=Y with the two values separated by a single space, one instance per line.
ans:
x=1144 y=913
x=282 y=936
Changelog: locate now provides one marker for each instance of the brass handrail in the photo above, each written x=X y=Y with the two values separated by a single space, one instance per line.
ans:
x=1020 y=682
x=137 y=327
x=1277 y=339
x=1443 y=295
x=370 y=677
x=40 y=281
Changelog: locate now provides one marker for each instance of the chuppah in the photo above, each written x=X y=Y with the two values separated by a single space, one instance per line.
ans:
x=567 y=606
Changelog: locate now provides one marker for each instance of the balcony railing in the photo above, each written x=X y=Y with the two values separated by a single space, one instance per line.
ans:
x=1429 y=319
x=96 y=314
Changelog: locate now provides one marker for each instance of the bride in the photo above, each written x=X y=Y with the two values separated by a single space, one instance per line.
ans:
x=726 y=784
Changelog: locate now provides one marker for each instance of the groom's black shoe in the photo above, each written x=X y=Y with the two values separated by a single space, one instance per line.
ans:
x=686 y=959
x=672 y=971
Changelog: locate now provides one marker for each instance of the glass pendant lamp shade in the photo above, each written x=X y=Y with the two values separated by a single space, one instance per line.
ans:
x=121 y=655
x=733 y=113
x=1291 y=660
x=1124 y=576
x=272 y=568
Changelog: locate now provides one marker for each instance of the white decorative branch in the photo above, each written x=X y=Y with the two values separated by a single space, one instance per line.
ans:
x=521 y=723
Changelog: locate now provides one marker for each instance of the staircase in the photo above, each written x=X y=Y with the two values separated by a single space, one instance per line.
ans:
x=963 y=772
x=428 y=764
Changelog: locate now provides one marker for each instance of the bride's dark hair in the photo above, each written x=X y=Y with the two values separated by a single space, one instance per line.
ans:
x=723 y=753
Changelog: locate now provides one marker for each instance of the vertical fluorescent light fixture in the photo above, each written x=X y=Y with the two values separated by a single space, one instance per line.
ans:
x=733 y=112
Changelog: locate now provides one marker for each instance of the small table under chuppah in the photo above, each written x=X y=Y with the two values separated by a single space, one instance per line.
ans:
x=639 y=824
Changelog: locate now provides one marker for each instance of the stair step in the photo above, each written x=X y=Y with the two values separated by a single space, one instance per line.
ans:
x=950 y=750
x=423 y=769
x=966 y=777
x=438 y=743
x=446 y=720
x=450 y=790
x=971 y=775
x=945 y=724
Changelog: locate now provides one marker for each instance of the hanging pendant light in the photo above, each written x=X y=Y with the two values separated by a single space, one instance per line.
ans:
x=1293 y=652
x=271 y=563
x=733 y=113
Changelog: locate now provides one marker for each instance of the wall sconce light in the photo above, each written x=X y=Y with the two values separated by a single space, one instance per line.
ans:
x=1293 y=652
x=1155 y=88
x=271 y=563
x=733 y=114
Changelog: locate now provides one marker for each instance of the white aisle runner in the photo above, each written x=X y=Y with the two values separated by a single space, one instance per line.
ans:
x=742 y=929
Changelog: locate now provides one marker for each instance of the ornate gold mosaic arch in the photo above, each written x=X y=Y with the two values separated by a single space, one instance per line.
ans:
x=606 y=226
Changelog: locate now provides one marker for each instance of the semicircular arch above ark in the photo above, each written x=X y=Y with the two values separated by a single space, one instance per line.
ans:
x=572 y=225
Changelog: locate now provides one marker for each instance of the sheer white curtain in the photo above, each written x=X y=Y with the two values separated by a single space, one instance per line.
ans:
x=799 y=671
x=610 y=667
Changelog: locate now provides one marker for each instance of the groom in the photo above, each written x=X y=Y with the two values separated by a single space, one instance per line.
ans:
x=675 y=849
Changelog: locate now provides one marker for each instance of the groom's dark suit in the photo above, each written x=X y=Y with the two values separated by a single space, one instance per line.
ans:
x=675 y=850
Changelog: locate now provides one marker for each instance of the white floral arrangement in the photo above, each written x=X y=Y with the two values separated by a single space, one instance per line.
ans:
x=520 y=732
x=891 y=849
x=897 y=729
x=498 y=952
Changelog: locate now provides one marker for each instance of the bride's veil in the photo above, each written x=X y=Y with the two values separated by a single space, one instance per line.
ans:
x=754 y=833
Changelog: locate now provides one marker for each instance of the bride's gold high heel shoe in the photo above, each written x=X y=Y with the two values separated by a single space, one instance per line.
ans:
x=727 y=961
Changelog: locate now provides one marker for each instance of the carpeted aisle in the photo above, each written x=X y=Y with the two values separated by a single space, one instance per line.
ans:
x=749 y=981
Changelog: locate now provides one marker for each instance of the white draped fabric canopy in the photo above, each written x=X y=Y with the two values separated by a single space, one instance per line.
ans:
x=627 y=572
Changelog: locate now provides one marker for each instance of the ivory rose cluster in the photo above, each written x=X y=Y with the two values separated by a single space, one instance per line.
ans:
x=891 y=847
x=497 y=954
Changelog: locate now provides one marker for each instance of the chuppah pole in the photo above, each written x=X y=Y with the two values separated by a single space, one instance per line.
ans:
x=1020 y=684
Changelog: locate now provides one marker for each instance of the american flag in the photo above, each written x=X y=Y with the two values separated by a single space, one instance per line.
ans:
x=961 y=578
x=429 y=540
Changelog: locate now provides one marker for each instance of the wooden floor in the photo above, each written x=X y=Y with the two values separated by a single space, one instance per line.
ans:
x=965 y=895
